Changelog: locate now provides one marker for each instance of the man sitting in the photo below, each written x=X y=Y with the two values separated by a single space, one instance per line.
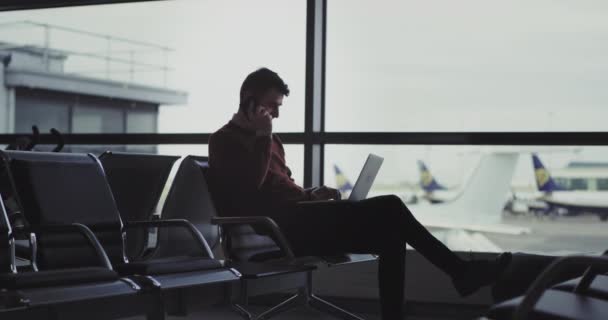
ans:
x=249 y=176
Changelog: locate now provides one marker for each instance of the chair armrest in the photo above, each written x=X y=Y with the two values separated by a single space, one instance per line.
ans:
x=175 y=223
x=547 y=277
x=588 y=277
x=74 y=228
x=259 y=220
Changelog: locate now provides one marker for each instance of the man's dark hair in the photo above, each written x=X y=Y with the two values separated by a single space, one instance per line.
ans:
x=262 y=80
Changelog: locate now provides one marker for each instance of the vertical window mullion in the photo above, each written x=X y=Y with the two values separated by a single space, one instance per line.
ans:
x=315 y=92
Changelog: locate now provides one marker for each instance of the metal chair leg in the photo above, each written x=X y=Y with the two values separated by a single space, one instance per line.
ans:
x=290 y=303
x=242 y=311
x=304 y=297
x=327 y=307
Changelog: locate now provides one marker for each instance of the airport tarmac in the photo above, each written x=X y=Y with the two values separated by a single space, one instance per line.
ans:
x=555 y=236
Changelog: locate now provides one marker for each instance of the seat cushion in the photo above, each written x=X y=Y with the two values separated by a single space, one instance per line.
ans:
x=597 y=289
x=555 y=304
x=169 y=265
x=56 y=278
x=258 y=254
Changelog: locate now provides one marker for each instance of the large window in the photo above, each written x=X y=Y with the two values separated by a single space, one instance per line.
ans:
x=395 y=68
x=469 y=65
x=203 y=49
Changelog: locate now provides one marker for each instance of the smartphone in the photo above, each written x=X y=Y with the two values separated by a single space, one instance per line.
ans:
x=248 y=105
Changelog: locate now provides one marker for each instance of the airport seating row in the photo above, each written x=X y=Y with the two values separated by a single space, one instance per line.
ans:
x=88 y=233
x=79 y=233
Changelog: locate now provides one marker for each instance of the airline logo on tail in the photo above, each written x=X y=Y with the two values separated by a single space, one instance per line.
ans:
x=544 y=182
x=427 y=181
x=342 y=183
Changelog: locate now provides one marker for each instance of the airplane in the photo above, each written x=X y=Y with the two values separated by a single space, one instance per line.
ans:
x=342 y=183
x=462 y=222
x=434 y=192
x=563 y=201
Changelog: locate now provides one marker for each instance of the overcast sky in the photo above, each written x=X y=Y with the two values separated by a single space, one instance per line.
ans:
x=469 y=65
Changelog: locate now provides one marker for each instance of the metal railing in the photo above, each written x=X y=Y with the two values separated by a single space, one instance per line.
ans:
x=108 y=62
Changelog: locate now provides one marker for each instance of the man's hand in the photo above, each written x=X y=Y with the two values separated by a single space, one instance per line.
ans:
x=260 y=120
x=325 y=193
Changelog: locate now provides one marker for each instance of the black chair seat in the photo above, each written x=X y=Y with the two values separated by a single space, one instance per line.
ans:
x=597 y=289
x=169 y=265
x=257 y=255
x=56 y=277
x=555 y=304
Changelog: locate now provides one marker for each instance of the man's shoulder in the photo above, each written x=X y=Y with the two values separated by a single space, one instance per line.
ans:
x=224 y=132
x=228 y=136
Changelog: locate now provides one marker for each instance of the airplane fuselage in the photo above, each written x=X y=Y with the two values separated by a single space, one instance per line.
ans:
x=578 y=202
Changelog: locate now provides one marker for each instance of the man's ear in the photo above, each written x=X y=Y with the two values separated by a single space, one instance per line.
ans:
x=246 y=95
x=245 y=99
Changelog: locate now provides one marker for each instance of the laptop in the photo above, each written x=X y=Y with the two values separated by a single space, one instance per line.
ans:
x=364 y=181
x=366 y=177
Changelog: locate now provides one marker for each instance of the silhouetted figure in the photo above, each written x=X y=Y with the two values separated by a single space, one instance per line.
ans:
x=249 y=176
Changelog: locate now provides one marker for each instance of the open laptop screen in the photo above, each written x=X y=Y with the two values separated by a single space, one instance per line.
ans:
x=366 y=177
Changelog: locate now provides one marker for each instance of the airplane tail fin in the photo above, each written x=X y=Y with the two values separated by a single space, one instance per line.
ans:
x=544 y=181
x=342 y=183
x=427 y=181
x=480 y=204
x=483 y=197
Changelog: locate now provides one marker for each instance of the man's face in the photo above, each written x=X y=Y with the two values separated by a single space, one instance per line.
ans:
x=272 y=100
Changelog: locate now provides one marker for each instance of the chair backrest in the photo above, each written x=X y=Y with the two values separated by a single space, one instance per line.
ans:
x=188 y=199
x=60 y=188
x=136 y=181
x=241 y=242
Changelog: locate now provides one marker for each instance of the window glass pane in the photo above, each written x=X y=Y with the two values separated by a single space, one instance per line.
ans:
x=602 y=184
x=97 y=119
x=483 y=198
x=187 y=56
x=579 y=184
x=142 y=120
x=42 y=110
x=470 y=65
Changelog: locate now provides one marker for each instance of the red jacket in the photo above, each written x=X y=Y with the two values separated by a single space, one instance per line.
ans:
x=248 y=174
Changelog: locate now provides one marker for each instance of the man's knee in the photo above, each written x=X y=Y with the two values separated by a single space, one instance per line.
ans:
x=393 y=208
x=391 y=202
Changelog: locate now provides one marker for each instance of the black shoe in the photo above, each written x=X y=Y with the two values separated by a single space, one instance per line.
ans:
x=480 y=273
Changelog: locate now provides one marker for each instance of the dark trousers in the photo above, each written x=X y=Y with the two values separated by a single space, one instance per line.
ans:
x=380 y=225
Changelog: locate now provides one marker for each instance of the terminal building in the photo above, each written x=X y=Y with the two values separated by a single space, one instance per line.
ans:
x=37 y=90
